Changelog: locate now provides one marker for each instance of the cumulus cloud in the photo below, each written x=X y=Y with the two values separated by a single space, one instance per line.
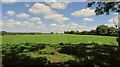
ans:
x=39 y=22
x=88 y=19
x=35 y=19
x=11 y=23
x=113 y=21
x=110 y=25
x=28 y=24
x=59 y=5
x=23 y=15
x=4 y=17
x=27 y=5
x=11 y=13
x=53 y=25
x=39 y=8
x=56 y=17
x=72 y=25
x=115 y=13
x=84 y=23
x=41 y=27
x=8 y=1
x=84 y=12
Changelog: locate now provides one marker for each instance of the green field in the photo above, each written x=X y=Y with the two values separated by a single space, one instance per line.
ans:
x=59 y=49
x=58 y=38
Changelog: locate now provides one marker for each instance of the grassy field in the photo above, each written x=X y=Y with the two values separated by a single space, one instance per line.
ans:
x=59 y=48
x=58 y=38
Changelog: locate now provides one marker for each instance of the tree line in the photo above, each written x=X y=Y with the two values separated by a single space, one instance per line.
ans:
x=100 y=30
x=24 y=33
x=20 y=33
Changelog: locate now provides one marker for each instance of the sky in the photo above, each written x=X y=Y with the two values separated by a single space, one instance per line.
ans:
x=48 y=17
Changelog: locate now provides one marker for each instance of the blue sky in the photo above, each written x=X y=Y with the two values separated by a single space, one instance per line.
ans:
x=51 y=17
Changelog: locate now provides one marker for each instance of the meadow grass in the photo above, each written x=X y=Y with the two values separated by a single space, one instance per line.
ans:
x=58 y=38
x=57 y=52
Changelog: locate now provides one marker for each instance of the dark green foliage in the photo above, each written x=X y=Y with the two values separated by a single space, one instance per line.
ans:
x=51 y=32
x=93 y=54
x=100 y=30
x=21 y=48
x=3 y=32
x=85 y=32
x=103 y=29
x=93 y=32
x=104 y=7
x=14 y=54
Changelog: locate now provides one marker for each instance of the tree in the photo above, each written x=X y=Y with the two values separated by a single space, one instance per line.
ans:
x=84 y=32
x=72 y=32
x=111 y=30
x=77 y=32
x=66 y=32
x=51 y=32
x=104 y=7
x=102 y=29
x=3 y=32
x=92 y=32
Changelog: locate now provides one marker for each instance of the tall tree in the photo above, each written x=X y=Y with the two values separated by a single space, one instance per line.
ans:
x=104 y=7
x=102 y=29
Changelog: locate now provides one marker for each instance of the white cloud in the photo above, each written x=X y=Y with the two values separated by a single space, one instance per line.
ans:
x=27 y=24
x=23 y=15
x=54 y=25
x=42 y=26
x=39 y=8
x=27 y=5
x=84 y=23
x=35 y=19
x=59 y=5
x=72 y=26
x=50 y=0
x=11 y=23
x=110 y=25
x=8 y=1
x=39 y=22
x=88 y=19
x=11 y=13
x=115 y=13
x=84 y=12
x=113 y=21
x=4 y=17
x=56 y=17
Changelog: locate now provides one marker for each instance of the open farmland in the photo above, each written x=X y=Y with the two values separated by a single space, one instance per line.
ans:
x=59 y=49
x=58 y=38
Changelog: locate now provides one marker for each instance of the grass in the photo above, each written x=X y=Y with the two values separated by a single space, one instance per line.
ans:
x=55 y=51
x=53 y=58
x=60 y=48
x=58 y=38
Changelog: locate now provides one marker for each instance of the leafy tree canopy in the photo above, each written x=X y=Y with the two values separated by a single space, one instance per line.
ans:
x=104 y=7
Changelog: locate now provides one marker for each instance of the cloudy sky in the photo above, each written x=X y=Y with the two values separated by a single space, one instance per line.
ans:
x=51 y=17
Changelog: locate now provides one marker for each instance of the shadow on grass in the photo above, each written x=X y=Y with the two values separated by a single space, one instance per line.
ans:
x=89 y=55
x=93 y=54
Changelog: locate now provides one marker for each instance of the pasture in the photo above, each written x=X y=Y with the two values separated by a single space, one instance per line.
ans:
x=59 y=49
x=58 y=38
